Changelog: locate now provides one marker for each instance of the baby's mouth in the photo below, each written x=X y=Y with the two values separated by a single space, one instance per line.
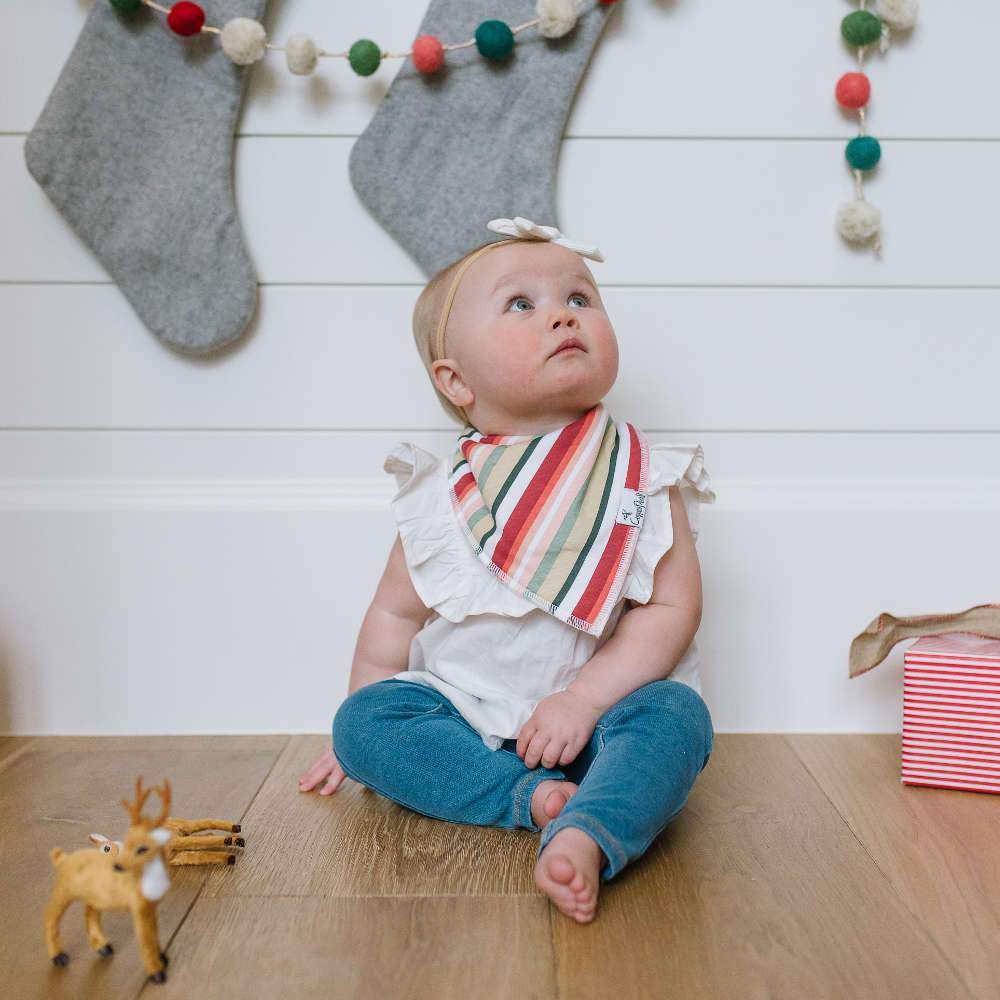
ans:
x=567 y=345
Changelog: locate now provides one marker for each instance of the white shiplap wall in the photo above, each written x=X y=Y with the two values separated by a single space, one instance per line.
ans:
x=190 y=545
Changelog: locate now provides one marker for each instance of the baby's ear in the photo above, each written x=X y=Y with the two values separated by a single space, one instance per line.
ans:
x=451 y=384
x=97 y=838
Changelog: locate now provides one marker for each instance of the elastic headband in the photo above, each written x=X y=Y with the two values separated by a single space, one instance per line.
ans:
x=437 y=346
x=437 y=351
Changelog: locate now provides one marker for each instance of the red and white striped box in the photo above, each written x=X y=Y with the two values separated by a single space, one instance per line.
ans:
x=951 y=712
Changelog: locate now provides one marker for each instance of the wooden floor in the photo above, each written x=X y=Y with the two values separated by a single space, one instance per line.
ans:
x=799 y=868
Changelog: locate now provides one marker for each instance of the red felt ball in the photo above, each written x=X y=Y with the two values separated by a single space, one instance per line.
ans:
x=186 y=18
x=428 y=54
x=853 y=90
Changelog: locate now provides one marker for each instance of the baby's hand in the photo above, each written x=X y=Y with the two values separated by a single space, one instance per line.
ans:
x=326 y=767
x=559 y=728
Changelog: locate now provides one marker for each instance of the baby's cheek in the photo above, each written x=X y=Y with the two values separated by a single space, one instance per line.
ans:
x=508 y=367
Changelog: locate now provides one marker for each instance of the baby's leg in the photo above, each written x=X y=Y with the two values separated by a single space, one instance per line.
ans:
x=408 y=742
x=645 y=754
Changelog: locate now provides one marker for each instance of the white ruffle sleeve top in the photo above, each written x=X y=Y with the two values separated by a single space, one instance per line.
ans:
x=493 y=653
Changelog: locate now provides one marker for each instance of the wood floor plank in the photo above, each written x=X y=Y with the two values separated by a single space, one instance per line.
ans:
x=418 y=947
x=54 y=795
x=12 y=747
x=359 y=843
x=757 y=889
x=124 y=744
x=937 y=846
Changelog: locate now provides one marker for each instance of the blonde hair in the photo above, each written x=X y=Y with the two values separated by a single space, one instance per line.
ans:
x=430 y=319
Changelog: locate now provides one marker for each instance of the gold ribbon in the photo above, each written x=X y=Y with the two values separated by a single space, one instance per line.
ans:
x=870 y=647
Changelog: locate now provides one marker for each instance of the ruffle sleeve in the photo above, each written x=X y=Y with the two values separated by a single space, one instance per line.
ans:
x=669 y=464
x=446 y=573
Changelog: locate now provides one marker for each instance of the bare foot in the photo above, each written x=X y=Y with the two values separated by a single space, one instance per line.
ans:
x=568 y=872
x=548 y=799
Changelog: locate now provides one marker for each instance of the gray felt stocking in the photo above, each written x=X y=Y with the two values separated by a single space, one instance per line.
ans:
x=477 y=140
x=135 y=148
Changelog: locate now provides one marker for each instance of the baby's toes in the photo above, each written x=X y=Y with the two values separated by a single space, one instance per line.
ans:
x=586 y=898
x=552 y=876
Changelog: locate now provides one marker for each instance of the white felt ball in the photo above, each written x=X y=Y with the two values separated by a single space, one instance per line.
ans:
x=898 y=14
x=301 y=55
x=858 y=220
x=243 y=40
x=556 y=17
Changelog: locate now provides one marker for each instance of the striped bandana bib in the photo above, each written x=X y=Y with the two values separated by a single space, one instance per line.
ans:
x=556 y=517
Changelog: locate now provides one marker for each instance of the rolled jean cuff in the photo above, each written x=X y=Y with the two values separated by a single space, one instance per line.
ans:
x=523 y=791
x=617 y=858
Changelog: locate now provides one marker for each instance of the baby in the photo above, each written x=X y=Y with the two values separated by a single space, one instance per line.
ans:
x=528 y=659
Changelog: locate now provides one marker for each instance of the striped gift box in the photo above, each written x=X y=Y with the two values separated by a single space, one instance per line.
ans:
x=951 y=712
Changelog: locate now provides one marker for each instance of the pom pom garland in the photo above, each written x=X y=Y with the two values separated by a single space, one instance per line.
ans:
x=301 y=55
x=853 y=90
x=556 y=17
x=898 y=14
x=864 y=152
x=861 y=28
x=859 y=221
x=495 y=40
x=428 y=54
x=186 y=18
x=244 y=40
x=365 y=57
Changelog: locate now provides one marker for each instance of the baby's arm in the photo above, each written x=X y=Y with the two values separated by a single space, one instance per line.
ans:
x=396 y=615
x=382 y=649
x=650 y=638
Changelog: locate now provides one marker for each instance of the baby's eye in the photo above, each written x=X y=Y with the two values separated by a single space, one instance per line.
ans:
x=515 y=300
x=580 y=295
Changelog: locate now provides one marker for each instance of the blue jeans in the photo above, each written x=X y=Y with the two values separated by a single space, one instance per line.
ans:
x=409 y=743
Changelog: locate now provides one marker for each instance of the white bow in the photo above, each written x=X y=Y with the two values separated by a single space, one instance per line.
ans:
x=525 y=229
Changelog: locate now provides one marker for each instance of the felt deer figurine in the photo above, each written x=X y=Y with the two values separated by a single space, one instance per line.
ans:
x=185 y=849
x=134 y=879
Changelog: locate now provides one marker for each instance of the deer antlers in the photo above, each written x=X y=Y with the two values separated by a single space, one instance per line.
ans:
x=135 y=809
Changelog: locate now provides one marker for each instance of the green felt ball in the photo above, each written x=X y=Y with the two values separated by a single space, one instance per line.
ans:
x=126 y=6
x=364 y=56
x=494 y=39
x=861 y=28
x=863 y=152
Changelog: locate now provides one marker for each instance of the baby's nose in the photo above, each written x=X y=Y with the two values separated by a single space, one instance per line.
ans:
x=563 y=319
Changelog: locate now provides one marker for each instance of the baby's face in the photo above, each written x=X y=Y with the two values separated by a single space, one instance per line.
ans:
x=515 y=307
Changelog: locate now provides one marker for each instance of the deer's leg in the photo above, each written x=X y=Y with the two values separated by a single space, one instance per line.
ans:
x=95 y=935
x=54 y=911
x=148 y=935
x=185 y=827
x=202 y=858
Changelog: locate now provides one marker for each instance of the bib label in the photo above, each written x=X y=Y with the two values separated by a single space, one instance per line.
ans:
x=633 y=507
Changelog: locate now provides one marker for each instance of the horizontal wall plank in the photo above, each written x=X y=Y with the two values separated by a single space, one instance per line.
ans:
x=755 y=212
x=353 y=494
x=647 y=77
x=949 y=465
x=259 y=613
x=335 y=357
